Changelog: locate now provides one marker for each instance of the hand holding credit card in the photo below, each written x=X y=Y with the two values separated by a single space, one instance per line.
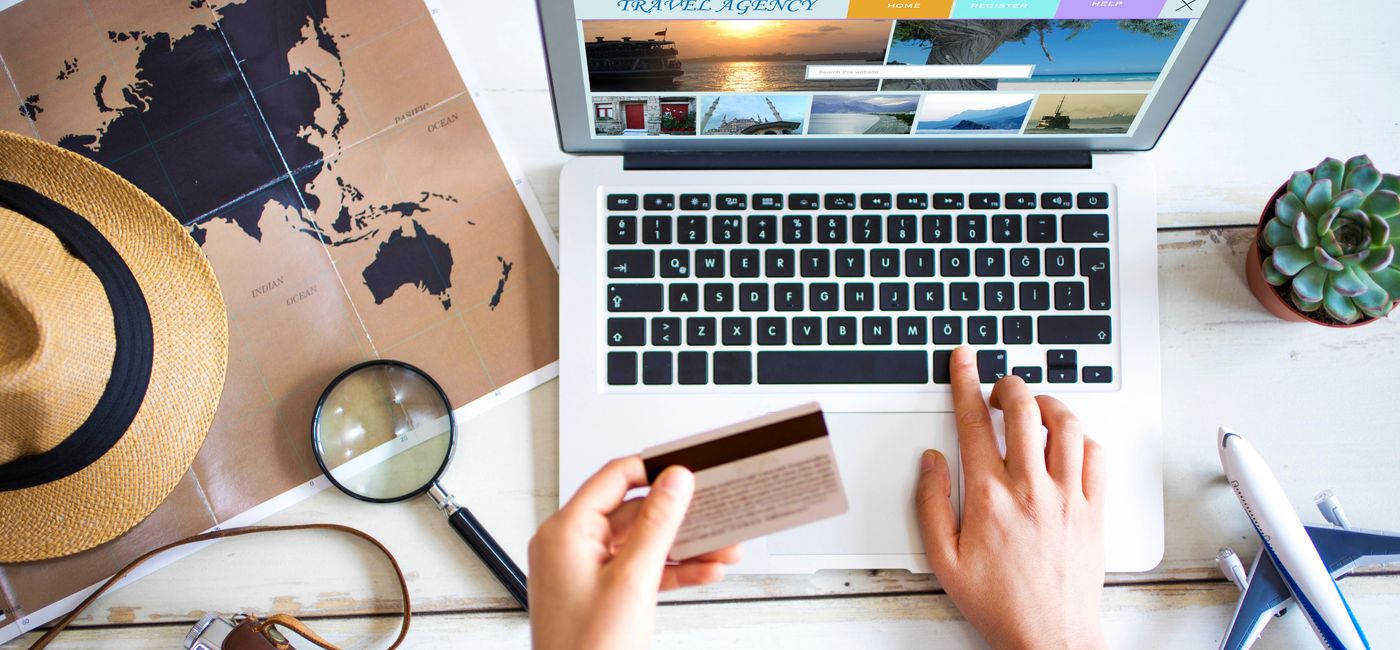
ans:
x=753 y=478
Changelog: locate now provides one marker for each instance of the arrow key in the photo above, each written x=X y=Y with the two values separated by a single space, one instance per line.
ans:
x=1091 y=228
x=631 y=264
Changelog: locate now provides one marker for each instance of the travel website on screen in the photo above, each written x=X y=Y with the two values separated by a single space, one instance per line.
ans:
x=876 y=68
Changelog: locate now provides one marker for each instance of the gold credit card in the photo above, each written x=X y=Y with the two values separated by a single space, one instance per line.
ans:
x=753 y=478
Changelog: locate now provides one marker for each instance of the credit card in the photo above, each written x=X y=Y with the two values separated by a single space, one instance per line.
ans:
x=753 y=478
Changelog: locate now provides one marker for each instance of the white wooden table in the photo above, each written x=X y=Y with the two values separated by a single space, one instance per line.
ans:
x=1289 y=85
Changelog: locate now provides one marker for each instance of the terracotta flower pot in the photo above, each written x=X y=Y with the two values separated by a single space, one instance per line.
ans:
x=1276 y=299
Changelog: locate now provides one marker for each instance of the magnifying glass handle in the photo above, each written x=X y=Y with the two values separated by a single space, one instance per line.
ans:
x=475 y=535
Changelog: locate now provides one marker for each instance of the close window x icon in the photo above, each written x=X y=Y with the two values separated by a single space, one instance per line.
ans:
x=1187 y=5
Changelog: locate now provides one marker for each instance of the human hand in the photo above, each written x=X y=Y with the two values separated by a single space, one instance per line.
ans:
x=596 y=565
x=1026 y=566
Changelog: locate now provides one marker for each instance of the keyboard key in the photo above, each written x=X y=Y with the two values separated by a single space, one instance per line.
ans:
x=850 y=263
x=912 y=201
x=1059 y=262
x=728 y=229
x=797 y=229
x=622 y=368
x=1028 y=374
x=840 y=202
x=962 y=296
x=901 y=229
x=691 y=368
x=772 y=331
x=695 y=202
x=1006 y=228
x=732 y=202
x=634 y=297
x=631 y=264
x=865 y=229
x=884 y=262
x=991 y=262
x=938 y=228
x=1025 y=262
x=860 y=296
x=733 y=368
x=666 y=331
x=823 y=296
x=684 y=297
x=1069 y=296
x=941 y=370
x=1016 y=330
x=1035 y=296
x=753 y=297
x=918 y=262
x=622 y=201
x=1062 y=375
x=719 y=297
x=787 y=296
x=982 y=330
x=659 y=202
x=991 y=365
x=894 y=296
x=656 y=230
x=912 y=330
x=1098 y=374
x=803 y=202
x=1062 y=359
x=831 y=229
x=875 y=330
x=709 y=264
x=876 y=202
x=982 y=201
x=816 y=263
x=1092 y=228
x=807 y=331
x=767 y=201
x=675 y=263
x=999 y=296
x=947 y=201
x=928 y=296
x=622 y=230
x=1093 y=264
x=735 y=330
x=947 y=330
x=779 y=263
x=656 y=368
x=1092 y=200
x=763 y=228
x=1040 y=229
x=743 y=263
x=627 y=332
x=1061 y=330
x=841 y=331
x=700 y=331
x=1056 y=201
x=972 y=228
x=955 y=262
x=843 y=367
x=691 y=230
x=1020 y=201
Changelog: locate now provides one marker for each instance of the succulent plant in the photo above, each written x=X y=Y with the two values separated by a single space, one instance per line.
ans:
x=1332 y=240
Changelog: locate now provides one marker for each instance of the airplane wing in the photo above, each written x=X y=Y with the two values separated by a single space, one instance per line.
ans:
x=1265 y=596
x=1344 y=549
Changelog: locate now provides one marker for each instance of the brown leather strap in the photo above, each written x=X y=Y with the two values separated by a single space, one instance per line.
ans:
x=285 y=620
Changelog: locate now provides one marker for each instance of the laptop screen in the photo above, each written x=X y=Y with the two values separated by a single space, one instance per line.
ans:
x=874 y=69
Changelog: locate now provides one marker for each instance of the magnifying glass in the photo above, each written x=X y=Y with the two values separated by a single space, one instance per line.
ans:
x=383 y=432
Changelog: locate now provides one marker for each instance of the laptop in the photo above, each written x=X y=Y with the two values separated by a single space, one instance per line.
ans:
x=789 y=201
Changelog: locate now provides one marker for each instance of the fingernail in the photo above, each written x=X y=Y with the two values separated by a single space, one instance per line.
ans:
x=675 y=479
x=927 y=461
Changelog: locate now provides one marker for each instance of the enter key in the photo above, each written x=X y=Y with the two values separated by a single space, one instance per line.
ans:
x=1093 y=265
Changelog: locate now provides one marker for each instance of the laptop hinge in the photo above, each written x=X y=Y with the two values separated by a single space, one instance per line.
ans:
x=727 y=160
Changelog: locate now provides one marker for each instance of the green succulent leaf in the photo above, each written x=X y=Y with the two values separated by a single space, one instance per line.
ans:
x=1298 y=184
x=1357 y=161
x=1308 y=285
x=1347 y=282
x=1325 y=220
x=1304 y=305
x=1277 y=234
x=1330 y=169
x=1382 y=203
x=1388 y=279
x=1287 y=208
x=1379 y=258
x=1389 y=183
x=1290 y=259
x=1304 y=234
x=1374 y=301
x=1328 y=243
x=1271 y=274
x=1380 y=231
x=1339 y=306
x=1348 y=199
x=1319 y=196
x=1325 y=260
x=1364 y=179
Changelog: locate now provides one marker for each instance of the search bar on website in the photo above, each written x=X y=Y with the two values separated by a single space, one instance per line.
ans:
x=919 y=71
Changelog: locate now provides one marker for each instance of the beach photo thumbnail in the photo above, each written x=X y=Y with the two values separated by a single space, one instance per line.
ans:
x=1062 y=114
x=973 y=113
x=728 y=55
x=862 y=114
x=1084 y=54
x=774 y=114
x=643 y=115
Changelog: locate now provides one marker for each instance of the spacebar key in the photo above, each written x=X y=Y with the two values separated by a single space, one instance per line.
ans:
x=843 y=367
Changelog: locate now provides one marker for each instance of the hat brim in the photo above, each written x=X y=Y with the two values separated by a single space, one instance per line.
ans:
x=190 y=335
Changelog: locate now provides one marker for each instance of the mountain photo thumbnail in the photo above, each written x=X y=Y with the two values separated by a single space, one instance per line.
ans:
x=973 y=113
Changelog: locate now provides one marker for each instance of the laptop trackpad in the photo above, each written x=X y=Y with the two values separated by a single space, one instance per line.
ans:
x=878 y=456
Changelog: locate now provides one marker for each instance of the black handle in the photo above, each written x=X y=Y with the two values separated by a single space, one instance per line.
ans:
x=475 y=535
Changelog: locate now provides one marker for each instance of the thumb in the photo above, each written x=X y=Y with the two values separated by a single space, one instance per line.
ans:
x=938 y=522
x=654 y=530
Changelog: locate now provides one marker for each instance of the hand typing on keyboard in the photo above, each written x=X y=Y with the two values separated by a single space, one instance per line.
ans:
x=1026 y=565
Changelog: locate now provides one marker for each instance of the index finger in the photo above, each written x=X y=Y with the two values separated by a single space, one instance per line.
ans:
x=604 y=491
x=976 y=438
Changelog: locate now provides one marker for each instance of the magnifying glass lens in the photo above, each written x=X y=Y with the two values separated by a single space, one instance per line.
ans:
x=383 y=432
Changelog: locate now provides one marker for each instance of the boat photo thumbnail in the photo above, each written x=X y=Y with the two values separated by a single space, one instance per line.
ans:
x=643 y=115
x=1073 y=114
x=1082 y=54
x=973 y=113
x=862 y=114
x=775 y=114
x=728 y=55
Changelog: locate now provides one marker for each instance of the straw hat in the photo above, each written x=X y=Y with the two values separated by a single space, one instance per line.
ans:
x=113 y=344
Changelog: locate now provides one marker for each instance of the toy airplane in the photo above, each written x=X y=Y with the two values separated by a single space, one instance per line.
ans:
x=1297 y=563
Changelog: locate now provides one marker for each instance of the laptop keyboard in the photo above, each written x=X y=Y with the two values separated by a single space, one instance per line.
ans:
x=857 y=288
